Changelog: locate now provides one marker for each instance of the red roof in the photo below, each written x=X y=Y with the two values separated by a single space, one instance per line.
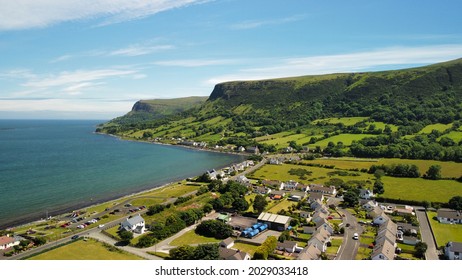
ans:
x=6 y=240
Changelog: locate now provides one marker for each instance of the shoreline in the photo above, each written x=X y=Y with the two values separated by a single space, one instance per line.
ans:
x=34 y=218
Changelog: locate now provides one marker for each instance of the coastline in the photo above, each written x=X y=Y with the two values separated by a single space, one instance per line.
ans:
x=34 y=218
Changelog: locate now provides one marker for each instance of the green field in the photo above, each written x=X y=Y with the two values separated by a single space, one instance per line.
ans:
x=444 y=232
x=456 y=136
x=86 y=250
x=346 y=139
x=319 y=175
x=345 y=121
x=284 y=204
x=419 y=189
x=336 y=243
x=439 y=127
x=449 y=169
x=244 y=247
x=191 y=237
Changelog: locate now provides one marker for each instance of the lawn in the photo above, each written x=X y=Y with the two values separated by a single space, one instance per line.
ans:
x=336 y=243
x=146 y=201
x=449 y=169
x=419 y=189
x=244 y=247
x=363 y=253
x=439 y=127
x=454 y=135
x=86 y=250
x=250 y=198
x=191 y=237
x=444 y=232
x=284 y=204
x=346 y=139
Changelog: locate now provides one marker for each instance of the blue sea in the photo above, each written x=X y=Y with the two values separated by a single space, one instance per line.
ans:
x=49 y=166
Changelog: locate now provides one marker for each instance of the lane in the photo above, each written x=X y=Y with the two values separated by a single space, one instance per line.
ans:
x=350 y=246
x=427 y=235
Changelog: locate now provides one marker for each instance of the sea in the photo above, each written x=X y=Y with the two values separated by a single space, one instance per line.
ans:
x=48 y=167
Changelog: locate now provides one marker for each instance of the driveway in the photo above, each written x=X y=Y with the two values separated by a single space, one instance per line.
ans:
x=427 y=234
x=350 y=246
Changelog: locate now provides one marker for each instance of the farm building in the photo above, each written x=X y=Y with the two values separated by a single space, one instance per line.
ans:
x=274 y=221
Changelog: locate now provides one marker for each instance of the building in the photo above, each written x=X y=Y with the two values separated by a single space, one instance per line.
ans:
x=252 y=150
x=227 y=243
x=448 y=216
x=7 y=242
x=287 y=246
x=305 y=214
x=382 y=218
x=319 y=239
x=135 y=224
x=310 y=253
x=315 y=188
x=224 y=217
x=383 y=251
x=370 y=205
x=232 y=254
x=274 y=221
x=366 y=194
x=315 y=196
x=453 y=250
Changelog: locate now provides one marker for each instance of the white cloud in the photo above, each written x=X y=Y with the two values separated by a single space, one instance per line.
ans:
x=137 y=50
x=352 y=62
x=251 y=24
x=24 y=14
x=195 y=62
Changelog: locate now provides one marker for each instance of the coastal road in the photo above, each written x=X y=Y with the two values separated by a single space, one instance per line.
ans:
x=250 y=170
x=427 y=234
x=350 y=246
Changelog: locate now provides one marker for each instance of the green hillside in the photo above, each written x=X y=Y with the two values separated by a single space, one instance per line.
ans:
x=392 y=104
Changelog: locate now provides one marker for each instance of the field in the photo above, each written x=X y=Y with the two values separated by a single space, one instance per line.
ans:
x=346 y=139
x=449 y=169
x=419 y=189
x=444 y=232
x=86 y=250
x=244 y=247
x=285 y=204
x=191 y=237
x=456 y=136
x=439 y=127
x=345 y=121
x=319 y=175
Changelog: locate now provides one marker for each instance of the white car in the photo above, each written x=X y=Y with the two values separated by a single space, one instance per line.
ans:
x=355 y=236
x=101 y=226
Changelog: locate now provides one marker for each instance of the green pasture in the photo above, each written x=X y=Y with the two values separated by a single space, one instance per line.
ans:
x=245 y=247
x=190 y=237
x=346 y=139
x=439 y=127
x=345 y=121
x=444 y=232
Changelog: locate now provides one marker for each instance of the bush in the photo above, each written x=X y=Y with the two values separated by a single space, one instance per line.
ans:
x=214 y=228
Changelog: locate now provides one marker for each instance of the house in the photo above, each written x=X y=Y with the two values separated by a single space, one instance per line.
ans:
x=383 y=251
x=295 y=198
x=315 y=196
x=388 y=225
x=262 y=190
x=287 y=246
x=316 y=204
x=214 y=175
x=242 y=180
x=227 y=243
x=273 y=184
x=410 y=240
x=135 y=224
x=288 y=150
x=276 y=161
x=404 y=211
x=241 y=149
x=386 y=236
x=448 y=216
x=252 y=150
x=366 y=194
x=224 y=217
x=232 y=254
x=274 y=221
x=309 y=230
x=7 y=242
x=275 y=193
x=315 y=188
x=290 y=185
x=374 y=213
x=319 y=239
x=310 y=252
x=453 y=250
x=370 y=205
x=326 y=225
x=318 y=216
x=305 y=214
x=382 y=218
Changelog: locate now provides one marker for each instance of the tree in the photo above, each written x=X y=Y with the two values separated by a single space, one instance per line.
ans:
x=378 y=187
x=126 y=236
x=425 y=204
x=350 y=198
x=259 y=203
x=420 y=249
x=455 y=203
x=214 y=228
x=240 y=204
x=433 y=173
x=206 y=252
x=184 y=252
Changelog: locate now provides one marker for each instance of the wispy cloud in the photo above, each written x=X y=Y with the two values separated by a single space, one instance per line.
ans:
x=24 y=14
x=137 y=50
x=251 y=24
x=195 y=62
x=352 y=62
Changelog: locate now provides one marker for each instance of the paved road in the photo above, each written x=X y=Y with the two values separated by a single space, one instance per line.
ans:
x=350 y=246
x=427 y=235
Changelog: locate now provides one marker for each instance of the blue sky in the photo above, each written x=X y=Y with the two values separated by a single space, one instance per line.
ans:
x=93 y=59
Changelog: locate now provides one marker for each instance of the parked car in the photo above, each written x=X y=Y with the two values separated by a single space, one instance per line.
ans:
x=355 y=236
x=74 y=237
x=101 y=226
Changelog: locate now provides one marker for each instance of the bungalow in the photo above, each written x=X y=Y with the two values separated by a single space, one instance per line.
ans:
x=302 y=195
x=318 y=216
x=448 y=216
x=322 y=189
x=262 y=190
x=410 y=240
x=404 y=211
x=214 y=175
x=326 y=225
x=275 y=193
x=316 y=204
x=7 y=242
x=310 y=252
x=135 y=224
x=287 y=246
x=315 y=196
x=386 y=236
x=383 y=251
x=381 y=219
x=453 y=250
x=366 y=194
x=242 y=180
x=389 y=225
x=232 y=254
x=305 y=214
x=370 y=205
x=374 y=213
x=227 y=243
x=290 y=185
x=320 y=239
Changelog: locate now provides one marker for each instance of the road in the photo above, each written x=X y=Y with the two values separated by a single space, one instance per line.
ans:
x=250 y=170
x=427 y=234
x=350 y=246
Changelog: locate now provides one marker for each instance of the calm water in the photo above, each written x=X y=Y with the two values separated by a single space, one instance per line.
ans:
x=52 y=166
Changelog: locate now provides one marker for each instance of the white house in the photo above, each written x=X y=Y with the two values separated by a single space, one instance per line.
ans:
x=7 y=242
x=320 y=239
x=232 y=254
x=290 y=185
x=227 y=243
x=453 y=250
x=366 y=194
x=370 y=205
x=314 y=188
x=310 y=252
x=305 y=214
x=382 y=218
x=448 y=216
x=135 y=224
x=383 y=251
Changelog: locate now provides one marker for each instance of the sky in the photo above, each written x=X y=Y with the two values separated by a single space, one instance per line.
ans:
x=93 y=59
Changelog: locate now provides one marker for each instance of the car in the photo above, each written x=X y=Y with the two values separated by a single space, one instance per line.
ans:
x=355 y=236
x=101 y=226
x=75 y=237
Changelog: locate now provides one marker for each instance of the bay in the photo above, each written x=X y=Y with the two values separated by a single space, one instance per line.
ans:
x=49 y=166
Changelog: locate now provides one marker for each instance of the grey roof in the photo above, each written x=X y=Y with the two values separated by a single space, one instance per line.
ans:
x=456 y=247
x=273 y=218
x=228 y=241
x=287 y=244
x=386 y=249
x=132 y=221
x=231 y=254
x=309 y=253
x=449 y=214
